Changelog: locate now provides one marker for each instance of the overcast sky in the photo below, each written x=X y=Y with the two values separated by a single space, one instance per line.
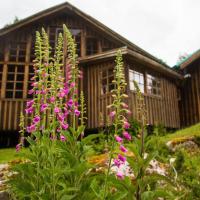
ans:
x=164 y=28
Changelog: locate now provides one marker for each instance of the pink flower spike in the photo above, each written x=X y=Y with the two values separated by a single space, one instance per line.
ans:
x=60 y=117
x=18 y=147
x=64 y=126
x=56 y=110
x=43 y=107
x=126 y=135
x=77 y=112
x=70 y=103
x=66 y=91
x=29 y=103
x=31 y=91
x=118 y=139
x=112 y=114
x=31 y=128
x=122 y=158
x=36 y=119
x=61 y=94
x=126 y=125
x=117 y=162
x=29 y=110
x=62 y=138
x=124 y=105
x=52 y=99
x=72 y=84
x=123 y=149
x=128 y=112
x=120 y=175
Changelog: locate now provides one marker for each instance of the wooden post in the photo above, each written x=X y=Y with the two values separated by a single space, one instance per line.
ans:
x=83 y=42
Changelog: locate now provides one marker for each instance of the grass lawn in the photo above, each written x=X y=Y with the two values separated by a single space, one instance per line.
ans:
x=183 y=133
x=8 y=154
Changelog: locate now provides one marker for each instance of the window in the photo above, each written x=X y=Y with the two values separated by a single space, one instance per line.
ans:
x=17 y=51
x=91 y=46
x=138 y=78
x=1 y=74
x=153 y=85
x=107 y=77
x=15 y=81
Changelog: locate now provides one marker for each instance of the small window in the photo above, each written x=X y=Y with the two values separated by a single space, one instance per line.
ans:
x=138 y=78
x=15 y=81
x=153 y=85
x=107 y=77
x=17 y=51
x=91 y=46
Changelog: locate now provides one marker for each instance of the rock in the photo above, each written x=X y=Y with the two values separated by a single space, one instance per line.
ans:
x=4 y=196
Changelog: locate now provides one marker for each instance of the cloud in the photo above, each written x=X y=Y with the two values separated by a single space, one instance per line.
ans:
x=163 y=28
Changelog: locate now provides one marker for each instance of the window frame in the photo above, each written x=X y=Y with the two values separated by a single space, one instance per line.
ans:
x=107 y=76
x=135 y=72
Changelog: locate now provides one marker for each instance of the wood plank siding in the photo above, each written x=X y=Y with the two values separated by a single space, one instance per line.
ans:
x=161 y=109
x=190 y=95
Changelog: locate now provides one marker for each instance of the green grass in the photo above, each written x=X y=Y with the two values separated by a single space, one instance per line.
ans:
x=187 y=132
x=8 y=154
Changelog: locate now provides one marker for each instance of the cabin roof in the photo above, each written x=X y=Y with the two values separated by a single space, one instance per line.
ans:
x=188 y=60
x=70 y=8
x=132 y=55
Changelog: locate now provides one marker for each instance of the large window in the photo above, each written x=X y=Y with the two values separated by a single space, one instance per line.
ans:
x=91 y=46
x=138 y=78
x=107 y=77
x=15 y=80
x=153 y=85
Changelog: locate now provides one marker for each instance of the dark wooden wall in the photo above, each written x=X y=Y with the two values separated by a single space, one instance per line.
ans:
x=160 y=109
x=17 y=53
x=190 y=95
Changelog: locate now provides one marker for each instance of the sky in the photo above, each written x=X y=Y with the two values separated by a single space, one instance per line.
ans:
x=164 y=28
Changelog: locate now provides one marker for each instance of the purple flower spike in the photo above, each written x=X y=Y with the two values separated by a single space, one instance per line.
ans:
x=112 y=114
x=18 y=147
x=56 y=110
x=29 y=103
x=36 y=119
x=61 y=94
x=126 y=135
x=117 y=162
x=77 y=112
x=29 y=110
x=126 y=125
x=52 y=99
x=118 y=139
x=31 y=91
x=43 y=107
x=123 y=149
x=31 y=128
x=120 y=175
x=60 y=117
x=62 y=138
x=70 y=103
x=122 y=158
x=64 y=126
x=72 y=84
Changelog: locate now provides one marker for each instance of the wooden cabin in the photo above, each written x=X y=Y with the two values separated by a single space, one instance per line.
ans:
x=97 y=47
x=190 y=90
